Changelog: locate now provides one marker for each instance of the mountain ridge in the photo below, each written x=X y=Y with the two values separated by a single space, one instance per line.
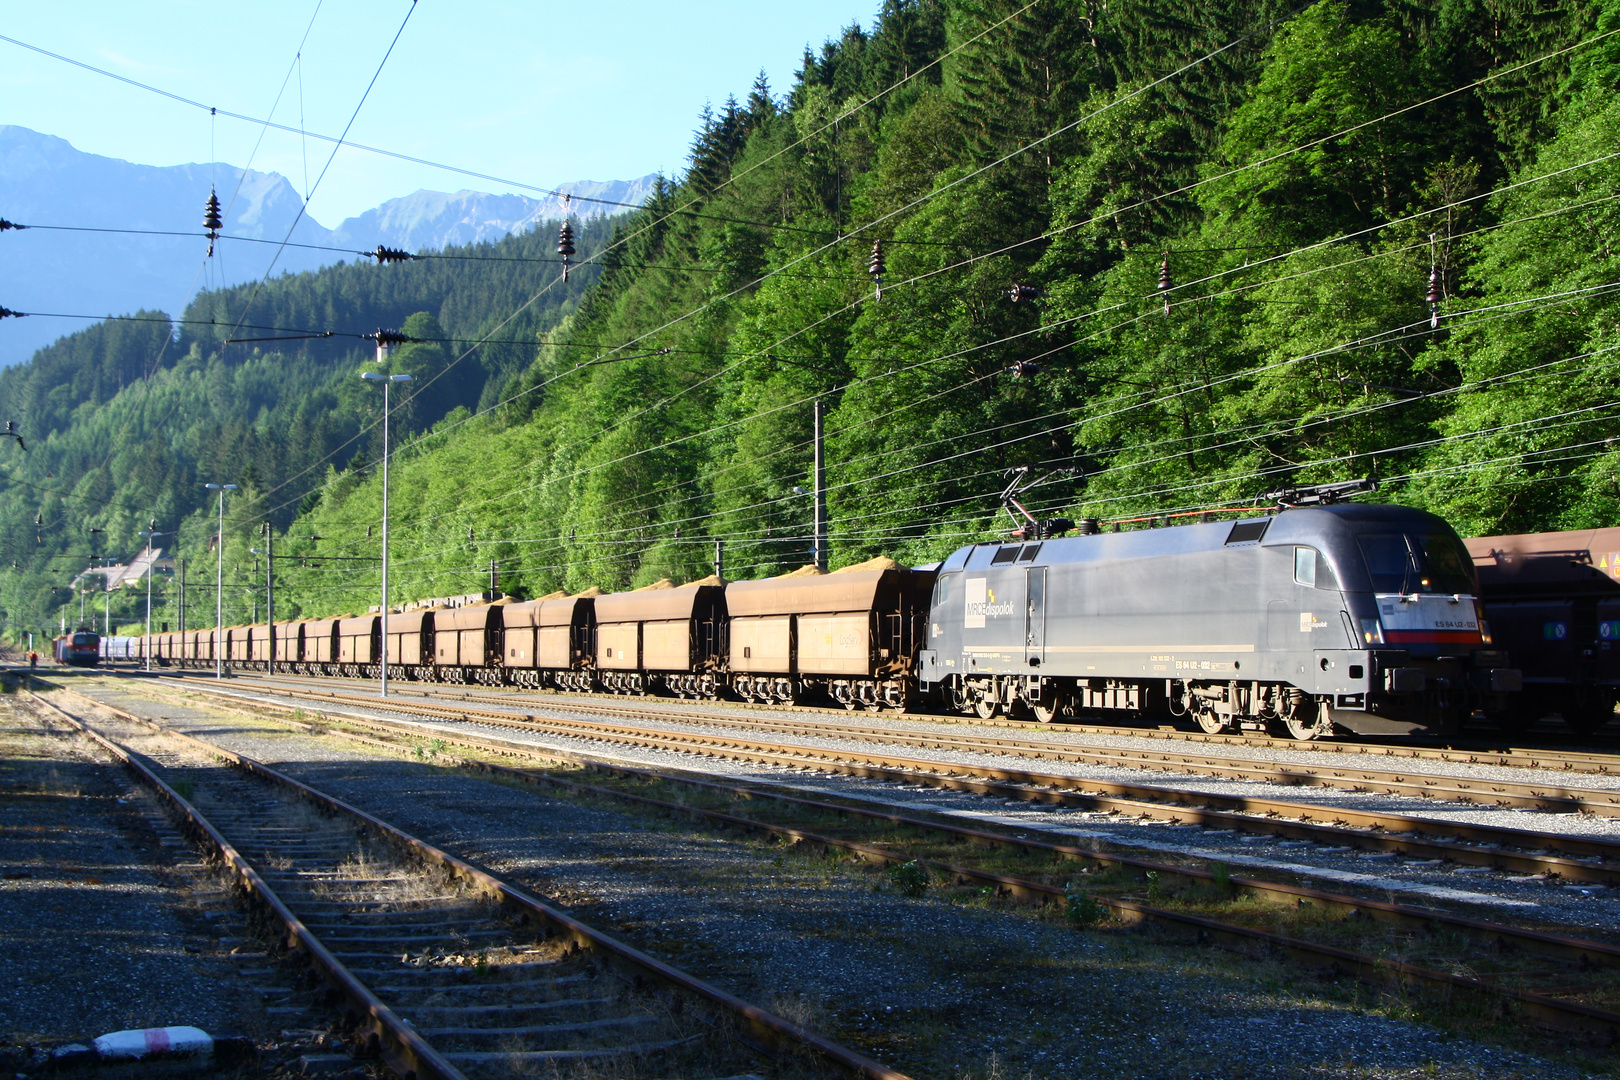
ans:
x=45 y=181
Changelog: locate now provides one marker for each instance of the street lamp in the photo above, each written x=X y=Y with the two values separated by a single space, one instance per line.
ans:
x=149 y=532
x=219 y=581
x=386 y=380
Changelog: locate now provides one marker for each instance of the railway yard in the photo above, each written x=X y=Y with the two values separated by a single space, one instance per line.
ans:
x=483 y=882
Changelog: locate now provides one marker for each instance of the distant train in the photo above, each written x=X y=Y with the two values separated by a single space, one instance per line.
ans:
x=120 y=649
x=81 y=648
x=1553 y=600
x=1352 y=617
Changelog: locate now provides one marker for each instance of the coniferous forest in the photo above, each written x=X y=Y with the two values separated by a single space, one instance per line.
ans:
x=1170 y=256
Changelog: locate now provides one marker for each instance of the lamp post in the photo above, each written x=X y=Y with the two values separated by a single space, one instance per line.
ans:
x=149 y=532
x=219 y=581
x=386 y=380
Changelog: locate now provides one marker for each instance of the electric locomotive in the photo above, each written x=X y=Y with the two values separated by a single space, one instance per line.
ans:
x=1354 y=616
x=82 y=648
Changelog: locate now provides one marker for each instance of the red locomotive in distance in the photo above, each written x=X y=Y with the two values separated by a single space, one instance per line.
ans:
x=81 y=648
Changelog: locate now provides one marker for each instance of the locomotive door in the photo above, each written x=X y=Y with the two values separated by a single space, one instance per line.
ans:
x=1035 y=616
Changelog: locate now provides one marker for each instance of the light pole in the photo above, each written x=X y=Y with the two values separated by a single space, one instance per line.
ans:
x=386 y=380
x=150 y=532
x=106 y=623
x=219 y=581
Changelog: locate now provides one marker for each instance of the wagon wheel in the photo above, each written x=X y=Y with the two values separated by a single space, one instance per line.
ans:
x=1585 y=712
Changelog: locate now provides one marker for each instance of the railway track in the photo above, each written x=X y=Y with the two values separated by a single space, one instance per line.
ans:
x=1547 y=980
x=446 y=970
x=1516 y=850
x=1353 y=765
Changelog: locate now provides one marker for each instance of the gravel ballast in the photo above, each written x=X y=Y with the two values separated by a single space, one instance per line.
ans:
x=98 y=931
x=935 y=988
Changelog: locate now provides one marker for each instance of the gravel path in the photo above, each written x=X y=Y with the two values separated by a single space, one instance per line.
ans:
x=936 y=988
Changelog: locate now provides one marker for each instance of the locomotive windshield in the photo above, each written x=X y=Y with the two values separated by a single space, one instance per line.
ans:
x=1417 y=563
x=85 y=639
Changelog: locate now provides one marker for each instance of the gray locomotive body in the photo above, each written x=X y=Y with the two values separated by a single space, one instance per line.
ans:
x=1358 y=616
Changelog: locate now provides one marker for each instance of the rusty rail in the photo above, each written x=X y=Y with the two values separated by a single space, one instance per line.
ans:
x=770 y=1029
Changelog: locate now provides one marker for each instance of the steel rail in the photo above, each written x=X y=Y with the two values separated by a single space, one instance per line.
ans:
x=772 y=1030
x=1376 y=830
x=1546 y=1011
x=1596 y=800
x=406 y=1052
x=1561 y=946
x=1417 y=785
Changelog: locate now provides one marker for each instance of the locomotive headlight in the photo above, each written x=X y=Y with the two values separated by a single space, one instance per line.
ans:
x=1485 y=633
x=1372 y=632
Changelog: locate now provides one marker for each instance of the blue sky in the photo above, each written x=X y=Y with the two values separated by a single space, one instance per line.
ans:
x=541 y=93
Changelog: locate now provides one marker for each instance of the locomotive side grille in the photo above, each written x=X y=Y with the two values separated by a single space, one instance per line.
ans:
x=1004 y=556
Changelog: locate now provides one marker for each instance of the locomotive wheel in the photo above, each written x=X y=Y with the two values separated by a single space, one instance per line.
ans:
x=1044 y=713
x=1210 y=721
x=986 y=707
x=1306 y=727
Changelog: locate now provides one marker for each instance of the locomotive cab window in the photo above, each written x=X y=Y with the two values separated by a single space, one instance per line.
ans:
x=1311 y=569
x=1423 y=563
x=1446 y=565
x=942 y=588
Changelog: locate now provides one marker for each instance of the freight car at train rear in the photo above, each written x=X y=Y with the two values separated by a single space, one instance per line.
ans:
x=1553 y=601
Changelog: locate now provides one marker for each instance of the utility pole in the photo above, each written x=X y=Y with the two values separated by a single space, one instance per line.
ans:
x=270 y=588
x=492 y=594
x=720 y=560
x=181 y=614
x=818 y=552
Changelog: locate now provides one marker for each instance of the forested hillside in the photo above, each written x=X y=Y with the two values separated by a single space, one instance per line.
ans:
x=1222 y=224
x=126 y=421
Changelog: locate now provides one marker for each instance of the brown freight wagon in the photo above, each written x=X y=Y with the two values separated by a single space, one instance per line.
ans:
x=410 y=645
x=238 y=644
x=852 y=635
x=198 y=650
x=259 y=646
x=359 y=645
x=551 y=642
x=320 y=647
x=467 y=643
x=1552 y=600
x=662 y=638
x=289 y=644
